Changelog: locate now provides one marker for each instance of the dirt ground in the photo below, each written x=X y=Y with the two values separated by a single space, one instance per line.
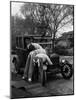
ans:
x=55 y=86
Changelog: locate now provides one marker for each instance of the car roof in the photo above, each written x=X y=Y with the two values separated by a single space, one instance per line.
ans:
x=35 y=36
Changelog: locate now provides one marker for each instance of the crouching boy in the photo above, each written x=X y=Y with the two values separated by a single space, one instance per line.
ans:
x=29 y=67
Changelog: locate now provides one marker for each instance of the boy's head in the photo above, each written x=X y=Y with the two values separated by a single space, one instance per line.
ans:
x=31 y=48
x=48 y=51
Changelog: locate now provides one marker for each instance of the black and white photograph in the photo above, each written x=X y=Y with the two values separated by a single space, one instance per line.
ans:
x=41 y=49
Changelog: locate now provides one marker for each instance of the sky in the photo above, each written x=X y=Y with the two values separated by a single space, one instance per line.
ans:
x=15 y=9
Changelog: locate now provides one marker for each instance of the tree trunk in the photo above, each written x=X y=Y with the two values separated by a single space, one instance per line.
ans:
x=52 y=45
x=53 y=42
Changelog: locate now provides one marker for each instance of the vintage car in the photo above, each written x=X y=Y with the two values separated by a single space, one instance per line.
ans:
x=40 y=73
x=63 y=67
x=21 y=51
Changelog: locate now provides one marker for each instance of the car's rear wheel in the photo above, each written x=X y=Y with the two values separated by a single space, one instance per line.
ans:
x=16 y=65
x=67 y=71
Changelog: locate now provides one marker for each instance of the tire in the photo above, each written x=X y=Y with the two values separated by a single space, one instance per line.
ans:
x=43 y=77
x=15 y=62
x=67 y=71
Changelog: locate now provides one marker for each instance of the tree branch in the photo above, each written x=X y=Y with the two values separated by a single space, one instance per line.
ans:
x=64 y=24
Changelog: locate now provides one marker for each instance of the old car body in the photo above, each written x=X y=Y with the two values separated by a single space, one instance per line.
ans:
x=41 y=72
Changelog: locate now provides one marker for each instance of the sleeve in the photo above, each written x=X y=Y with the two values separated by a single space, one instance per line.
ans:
x=48 y=60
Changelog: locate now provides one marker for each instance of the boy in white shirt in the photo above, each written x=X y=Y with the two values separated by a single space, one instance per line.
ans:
x=29 y=63
x=36 y=54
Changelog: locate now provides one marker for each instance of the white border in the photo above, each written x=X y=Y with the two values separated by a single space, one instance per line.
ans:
x=5 y=47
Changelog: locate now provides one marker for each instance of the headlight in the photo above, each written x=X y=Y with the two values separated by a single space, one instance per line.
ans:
x=63 y=60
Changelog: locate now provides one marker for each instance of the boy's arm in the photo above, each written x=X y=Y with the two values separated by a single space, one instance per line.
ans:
x=48 y=60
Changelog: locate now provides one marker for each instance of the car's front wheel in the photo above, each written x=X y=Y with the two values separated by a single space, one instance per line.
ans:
x=67 y=71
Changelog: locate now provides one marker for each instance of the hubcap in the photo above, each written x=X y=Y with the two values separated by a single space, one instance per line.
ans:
x=66 y=70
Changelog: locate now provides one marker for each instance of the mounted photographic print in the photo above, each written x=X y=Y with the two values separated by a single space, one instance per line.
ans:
x=41 y=49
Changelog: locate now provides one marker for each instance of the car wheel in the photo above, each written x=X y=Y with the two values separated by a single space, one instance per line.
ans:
x=66 y=71
x=15 y=62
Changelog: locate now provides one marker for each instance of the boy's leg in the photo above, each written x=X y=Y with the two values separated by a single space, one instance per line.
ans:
x=31 y=68
x=27 y=66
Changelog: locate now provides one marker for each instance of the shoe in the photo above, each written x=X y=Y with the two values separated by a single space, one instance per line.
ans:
x=24 y=78
x=29 y=80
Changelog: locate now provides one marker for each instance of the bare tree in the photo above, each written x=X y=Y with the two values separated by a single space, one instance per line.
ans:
x=49 y=17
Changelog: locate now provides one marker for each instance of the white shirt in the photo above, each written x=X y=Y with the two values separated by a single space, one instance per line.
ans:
x=44 y=57
x=36 y=45
x=38 y=51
